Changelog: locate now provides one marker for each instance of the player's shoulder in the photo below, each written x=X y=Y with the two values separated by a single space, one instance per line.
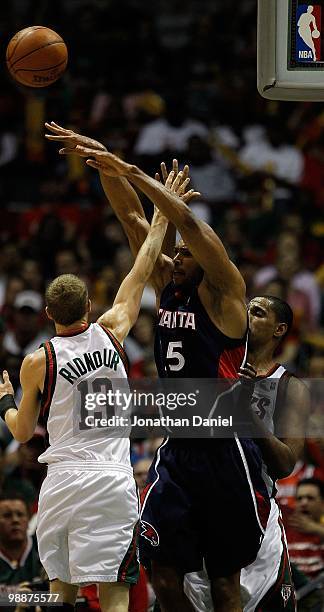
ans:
x=296 y=387
x=35 y=360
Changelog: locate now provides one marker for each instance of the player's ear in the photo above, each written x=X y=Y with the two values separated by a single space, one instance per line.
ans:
x=49 y=316
x=89 y=306
x=280 y=330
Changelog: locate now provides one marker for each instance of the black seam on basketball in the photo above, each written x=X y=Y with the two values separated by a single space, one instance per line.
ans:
x=37 y=69
x=55 y=42
x=8 y=57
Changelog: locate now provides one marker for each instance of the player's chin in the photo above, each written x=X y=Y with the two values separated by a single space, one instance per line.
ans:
x=178 y=279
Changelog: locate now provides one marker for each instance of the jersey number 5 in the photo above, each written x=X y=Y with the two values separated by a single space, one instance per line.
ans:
x=176 y=355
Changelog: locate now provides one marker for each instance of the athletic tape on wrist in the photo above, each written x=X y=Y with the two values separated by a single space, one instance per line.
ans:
x=7 y=402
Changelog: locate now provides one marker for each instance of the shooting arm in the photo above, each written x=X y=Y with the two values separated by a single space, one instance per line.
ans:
x=22 y=422
x=203 y=243
x=124 y=312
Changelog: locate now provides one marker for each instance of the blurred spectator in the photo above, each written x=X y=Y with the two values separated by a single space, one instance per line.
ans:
x=143 y=336
x=209 y=173
x=31 y=275
x=310 y=466
x=168 y=136
x=288 y=266
x=27 y=334
x=23 y=473
x=19 y=561
x=273 y=154
x=305 y=529
x=66 y=263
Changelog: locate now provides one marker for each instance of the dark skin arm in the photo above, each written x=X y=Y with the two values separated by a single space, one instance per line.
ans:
x=281 y=451
x=125 y=201
x=222 y=290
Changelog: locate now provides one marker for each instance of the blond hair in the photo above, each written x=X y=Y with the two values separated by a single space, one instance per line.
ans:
x=66 y=299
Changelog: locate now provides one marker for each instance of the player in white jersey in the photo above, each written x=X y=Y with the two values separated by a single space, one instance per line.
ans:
x=88 y=507
x=279 y=411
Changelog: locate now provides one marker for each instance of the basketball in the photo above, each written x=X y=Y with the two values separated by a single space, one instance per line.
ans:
x=36 y=56
x=316 y=33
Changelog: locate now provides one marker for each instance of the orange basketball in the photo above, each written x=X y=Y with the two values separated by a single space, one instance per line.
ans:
x=36 y=56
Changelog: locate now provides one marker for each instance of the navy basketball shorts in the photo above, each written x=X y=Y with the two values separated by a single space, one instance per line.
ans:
x=205 y=501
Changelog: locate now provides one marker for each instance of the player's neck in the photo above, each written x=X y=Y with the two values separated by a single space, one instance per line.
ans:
x=262 y=359
x=75 y=326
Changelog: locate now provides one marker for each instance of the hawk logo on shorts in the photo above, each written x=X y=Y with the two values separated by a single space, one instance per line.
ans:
x=286 y=592
x=149 y=533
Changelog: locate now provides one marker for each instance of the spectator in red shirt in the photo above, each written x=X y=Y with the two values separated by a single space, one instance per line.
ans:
x=304 y=528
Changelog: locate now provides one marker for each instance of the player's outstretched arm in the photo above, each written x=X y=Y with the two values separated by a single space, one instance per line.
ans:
x=122 y=198
x=204 y=244
x=22 y=421
x=124 y=312
x=121 y=195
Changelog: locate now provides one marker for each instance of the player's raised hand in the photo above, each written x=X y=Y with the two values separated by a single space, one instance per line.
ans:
x=6 y=386
x=71 y=139
x=105 y=162
x=177 y=181
x=247 y=374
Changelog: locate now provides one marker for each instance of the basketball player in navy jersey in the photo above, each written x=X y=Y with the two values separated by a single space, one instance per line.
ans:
x=278 y=415
x=88 y=507
x=201 y=331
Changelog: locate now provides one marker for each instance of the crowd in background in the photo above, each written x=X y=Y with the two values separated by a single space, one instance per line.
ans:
x=154 y=81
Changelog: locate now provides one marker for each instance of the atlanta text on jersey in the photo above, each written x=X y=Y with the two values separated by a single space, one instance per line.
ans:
x=177 y=319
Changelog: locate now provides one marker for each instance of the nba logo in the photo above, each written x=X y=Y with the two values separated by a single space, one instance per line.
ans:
x=308 y=33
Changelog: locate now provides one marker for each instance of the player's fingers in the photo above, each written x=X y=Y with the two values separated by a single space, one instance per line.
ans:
x=185 y=171
x=177 y=181
x=85 y=151
x=157 y=177
x=5 y=375
x=94 y=164
x=175 y=166
x=67 y=151
x=246 y=374
x=164 y=172
x=60 y=127
x=183 y=186
x=57 y=129
x=100 y=167
x=169 y=180
x=250 y=367
x=190 y=195
x=52 y=137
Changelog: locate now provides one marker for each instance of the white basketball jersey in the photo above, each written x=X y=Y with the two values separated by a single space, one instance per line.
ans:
x=266 y=396
x=89 y=361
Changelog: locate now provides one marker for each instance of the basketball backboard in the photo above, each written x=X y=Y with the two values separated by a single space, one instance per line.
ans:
x=291 y=49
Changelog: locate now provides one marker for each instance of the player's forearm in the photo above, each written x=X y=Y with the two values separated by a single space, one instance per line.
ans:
x=169 y=240
x=150 y=250
x=166 y=201
x=16 y=428
x=127 y=208
x=279 y=458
